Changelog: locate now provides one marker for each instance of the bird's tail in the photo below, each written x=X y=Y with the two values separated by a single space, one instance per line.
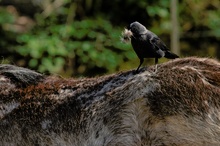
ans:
x=170 y=55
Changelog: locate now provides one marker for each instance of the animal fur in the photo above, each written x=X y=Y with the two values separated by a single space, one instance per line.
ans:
x=178 y=104
x=126 y=36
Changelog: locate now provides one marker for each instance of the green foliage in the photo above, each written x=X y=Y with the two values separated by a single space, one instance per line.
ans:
x=83 y=37
x=93 y=43
x=6 y=17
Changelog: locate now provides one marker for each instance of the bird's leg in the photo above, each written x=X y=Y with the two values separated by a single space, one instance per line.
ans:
x=141 y=61
x=156 y=61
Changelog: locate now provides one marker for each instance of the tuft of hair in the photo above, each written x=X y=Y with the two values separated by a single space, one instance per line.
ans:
x=126 y=36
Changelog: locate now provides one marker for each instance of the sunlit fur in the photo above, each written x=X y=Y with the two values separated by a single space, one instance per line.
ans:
x=176 y=104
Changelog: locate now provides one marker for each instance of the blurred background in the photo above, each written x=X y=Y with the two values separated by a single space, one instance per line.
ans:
x=82 y=37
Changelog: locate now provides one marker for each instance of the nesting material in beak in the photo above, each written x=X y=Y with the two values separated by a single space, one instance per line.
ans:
x=126 y=36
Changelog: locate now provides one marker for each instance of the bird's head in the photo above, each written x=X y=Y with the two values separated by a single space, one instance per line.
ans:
x=137 y=29
x=134 y=29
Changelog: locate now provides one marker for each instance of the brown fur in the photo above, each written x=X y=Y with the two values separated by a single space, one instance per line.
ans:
x=175 y=103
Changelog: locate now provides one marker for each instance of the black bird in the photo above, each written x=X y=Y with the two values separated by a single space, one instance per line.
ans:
x=146 y=44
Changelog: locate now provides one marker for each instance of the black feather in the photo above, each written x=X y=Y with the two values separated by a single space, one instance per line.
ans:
x=146 y=44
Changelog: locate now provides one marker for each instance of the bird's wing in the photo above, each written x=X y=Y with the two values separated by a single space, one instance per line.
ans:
x=158 y=43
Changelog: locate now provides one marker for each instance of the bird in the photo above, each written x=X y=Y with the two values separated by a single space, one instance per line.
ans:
x=146 y=44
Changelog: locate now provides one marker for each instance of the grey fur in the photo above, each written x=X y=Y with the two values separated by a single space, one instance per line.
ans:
x=178 y=104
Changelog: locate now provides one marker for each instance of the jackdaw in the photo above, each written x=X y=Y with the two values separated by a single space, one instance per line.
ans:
x=145 y=43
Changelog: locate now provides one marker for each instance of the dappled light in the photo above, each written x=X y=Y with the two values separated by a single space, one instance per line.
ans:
x=83 y=38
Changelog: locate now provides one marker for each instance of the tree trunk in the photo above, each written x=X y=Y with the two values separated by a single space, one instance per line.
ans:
x=175 y=27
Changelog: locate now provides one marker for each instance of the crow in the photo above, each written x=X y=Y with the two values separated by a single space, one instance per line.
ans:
x=146 y=44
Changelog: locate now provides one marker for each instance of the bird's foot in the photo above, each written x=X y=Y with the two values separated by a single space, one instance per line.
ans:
x=155 y=70
x=136 y=72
